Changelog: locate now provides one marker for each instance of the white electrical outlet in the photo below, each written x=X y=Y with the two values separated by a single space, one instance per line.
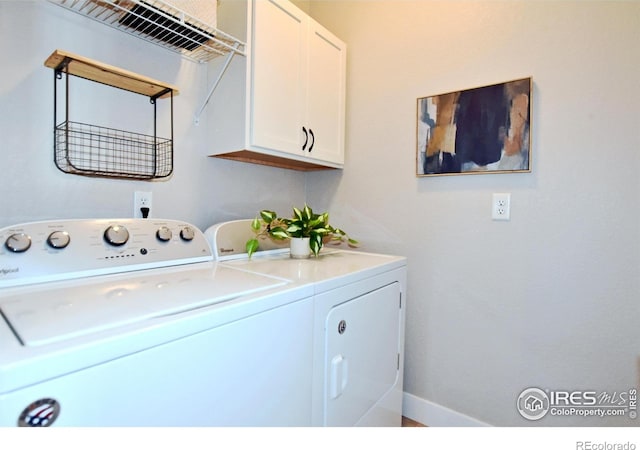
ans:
x=501 y=206
x=141 y=199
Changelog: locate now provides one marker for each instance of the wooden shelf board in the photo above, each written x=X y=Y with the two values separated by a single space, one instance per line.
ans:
x=110 y=75
x=269 y=160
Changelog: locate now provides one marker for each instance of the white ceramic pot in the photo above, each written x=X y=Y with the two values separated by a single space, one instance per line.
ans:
x=299 y=248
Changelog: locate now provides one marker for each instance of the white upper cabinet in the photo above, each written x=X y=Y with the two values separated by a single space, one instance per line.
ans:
x=294 y=102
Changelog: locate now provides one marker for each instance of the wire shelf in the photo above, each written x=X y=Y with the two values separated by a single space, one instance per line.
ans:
x=90 y=150
x=161 y=23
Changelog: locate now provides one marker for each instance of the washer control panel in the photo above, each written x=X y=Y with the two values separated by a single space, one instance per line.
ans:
x=59 y=250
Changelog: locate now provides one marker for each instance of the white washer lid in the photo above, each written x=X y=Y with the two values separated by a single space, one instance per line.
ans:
x=41 y=316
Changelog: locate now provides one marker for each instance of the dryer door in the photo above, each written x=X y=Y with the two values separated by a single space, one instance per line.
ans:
x=362 y=354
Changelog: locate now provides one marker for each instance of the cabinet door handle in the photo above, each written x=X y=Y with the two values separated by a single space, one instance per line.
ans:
x=313 y=140
x=306 y=138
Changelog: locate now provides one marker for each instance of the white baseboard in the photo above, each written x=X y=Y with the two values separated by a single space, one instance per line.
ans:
x=435 y=415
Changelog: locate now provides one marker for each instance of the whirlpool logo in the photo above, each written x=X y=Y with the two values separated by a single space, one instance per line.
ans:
x=4 y=272
x=41 y=413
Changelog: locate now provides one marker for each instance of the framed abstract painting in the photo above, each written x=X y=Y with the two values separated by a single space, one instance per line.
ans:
x=480 y=130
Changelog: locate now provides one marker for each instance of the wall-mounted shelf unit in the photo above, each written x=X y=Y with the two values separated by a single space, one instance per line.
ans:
x=161 y=23
x=91 y=150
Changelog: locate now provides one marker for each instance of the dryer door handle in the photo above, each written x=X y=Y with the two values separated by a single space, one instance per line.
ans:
x=339 y=375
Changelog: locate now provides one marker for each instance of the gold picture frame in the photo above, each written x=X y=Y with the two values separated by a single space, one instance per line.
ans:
x=475 y=131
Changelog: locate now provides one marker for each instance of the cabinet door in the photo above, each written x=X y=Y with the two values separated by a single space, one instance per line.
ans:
x=326 y=77
x=278 y=46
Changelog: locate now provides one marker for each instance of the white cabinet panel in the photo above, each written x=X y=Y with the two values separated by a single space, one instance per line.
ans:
x=326 y=62
x=278 y=91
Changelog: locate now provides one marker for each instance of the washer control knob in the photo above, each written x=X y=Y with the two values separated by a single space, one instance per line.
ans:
x=187 y=234
x=116 y=235
x=164 y=234
x=58 y=239
x=18 y=242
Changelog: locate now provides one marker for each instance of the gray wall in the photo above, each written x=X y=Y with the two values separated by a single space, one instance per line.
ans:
x=549 y=299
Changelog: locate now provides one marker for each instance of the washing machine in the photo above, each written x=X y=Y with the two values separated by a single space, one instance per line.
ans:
x=359 y=303
x=131 y=322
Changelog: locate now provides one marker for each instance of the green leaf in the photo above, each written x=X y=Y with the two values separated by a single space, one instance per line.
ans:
x=268 y=216
x=251 y=246
x=294 y=229
x=315 y=243
x=307 y=213
x=297 y=214
x=279 y=233
x=314 y=223
x=256 y=225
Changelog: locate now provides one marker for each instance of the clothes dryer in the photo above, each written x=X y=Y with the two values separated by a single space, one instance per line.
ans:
x=359 y=304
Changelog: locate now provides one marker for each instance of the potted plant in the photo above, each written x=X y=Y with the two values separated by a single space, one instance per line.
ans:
x=304 y=228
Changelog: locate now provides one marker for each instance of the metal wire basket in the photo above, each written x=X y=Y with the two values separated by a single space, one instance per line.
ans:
x=90 y=150
x=97 y=151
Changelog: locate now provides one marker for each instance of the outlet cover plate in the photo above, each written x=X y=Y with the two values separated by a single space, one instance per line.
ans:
x=501 y=206
x=141 y=199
